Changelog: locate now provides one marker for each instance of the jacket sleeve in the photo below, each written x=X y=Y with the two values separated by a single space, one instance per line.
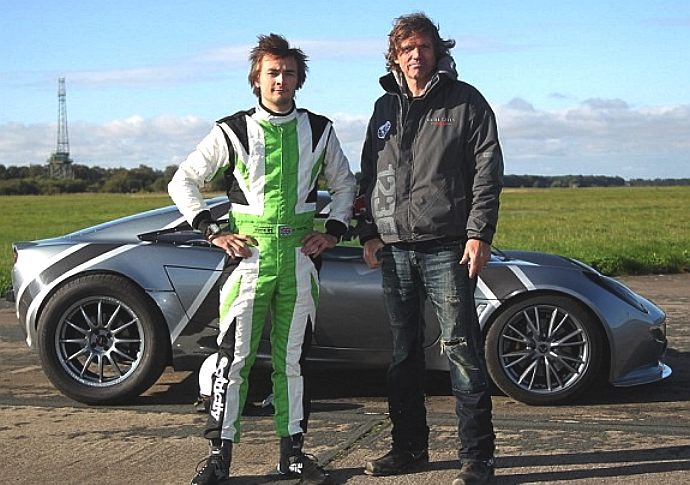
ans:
x=200 y=167
x=487 y=180
x=341 y=182
x=366 y=226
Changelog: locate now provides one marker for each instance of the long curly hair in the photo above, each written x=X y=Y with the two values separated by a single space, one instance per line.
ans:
x=405 y=27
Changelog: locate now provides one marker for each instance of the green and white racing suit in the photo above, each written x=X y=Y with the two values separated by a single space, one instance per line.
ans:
x=272 y=163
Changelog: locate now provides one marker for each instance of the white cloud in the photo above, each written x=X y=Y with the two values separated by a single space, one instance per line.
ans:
x=156 y=142
x=560 y=96
x=226 y=54
x=603 y=137
x=314 y=49
x=145 y=76
x=606 y=137
x=350 y=130
x=208 y=65
x=519 y=104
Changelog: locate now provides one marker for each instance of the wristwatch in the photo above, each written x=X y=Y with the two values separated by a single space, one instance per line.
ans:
x=212 y=230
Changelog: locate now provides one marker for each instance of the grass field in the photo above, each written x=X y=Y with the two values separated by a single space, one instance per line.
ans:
x=634 y=230
x=618 y=230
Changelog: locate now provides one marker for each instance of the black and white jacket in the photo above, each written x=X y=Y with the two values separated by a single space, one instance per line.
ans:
x=432 y=166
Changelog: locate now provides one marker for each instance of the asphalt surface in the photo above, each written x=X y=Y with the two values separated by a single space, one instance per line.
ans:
x=626 y=435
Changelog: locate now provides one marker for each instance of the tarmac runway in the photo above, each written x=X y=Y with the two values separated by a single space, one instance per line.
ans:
x=634 y=435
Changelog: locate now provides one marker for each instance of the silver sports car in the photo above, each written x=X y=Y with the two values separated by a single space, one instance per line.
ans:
x=109 y=307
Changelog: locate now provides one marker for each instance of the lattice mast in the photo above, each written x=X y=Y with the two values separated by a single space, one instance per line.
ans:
x=59 y=163
x=62 y=135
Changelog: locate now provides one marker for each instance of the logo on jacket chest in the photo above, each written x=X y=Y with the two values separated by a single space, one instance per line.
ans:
x=383 y=130
x=440 y=120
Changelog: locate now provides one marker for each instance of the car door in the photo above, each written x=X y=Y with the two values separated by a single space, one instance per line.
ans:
x=351 y=323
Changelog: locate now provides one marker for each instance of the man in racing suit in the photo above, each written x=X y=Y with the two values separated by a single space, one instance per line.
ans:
x=271 y=157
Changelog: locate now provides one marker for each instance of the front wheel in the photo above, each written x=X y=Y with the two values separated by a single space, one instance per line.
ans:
x=100 y=340
x=544 y=349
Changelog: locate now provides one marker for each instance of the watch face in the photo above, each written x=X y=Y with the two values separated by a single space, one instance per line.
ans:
x=213 y=229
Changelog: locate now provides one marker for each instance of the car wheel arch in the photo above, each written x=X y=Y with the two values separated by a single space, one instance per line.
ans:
x=160 y=319
x=520 y=298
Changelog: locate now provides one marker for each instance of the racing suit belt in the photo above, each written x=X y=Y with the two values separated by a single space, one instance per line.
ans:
x=258 y=229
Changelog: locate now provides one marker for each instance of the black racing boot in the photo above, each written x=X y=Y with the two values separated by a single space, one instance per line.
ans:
x=475 y=473
x=295 y=464
x=217 y=467
x=397 y=461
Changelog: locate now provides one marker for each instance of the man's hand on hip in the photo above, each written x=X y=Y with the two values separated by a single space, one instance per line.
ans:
x=316 y=242
x=477 y=254
x=236 y=245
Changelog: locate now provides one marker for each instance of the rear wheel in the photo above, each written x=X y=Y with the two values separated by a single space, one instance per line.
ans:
x=544 y=349
x=101 y=341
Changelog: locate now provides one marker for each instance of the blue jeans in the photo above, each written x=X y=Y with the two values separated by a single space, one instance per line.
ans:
x=411 y=274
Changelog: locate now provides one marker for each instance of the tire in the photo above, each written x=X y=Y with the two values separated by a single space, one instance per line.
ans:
x=101 y=341
x=544 y=349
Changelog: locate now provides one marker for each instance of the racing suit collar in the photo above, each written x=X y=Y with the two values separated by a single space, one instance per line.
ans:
x=263 y=113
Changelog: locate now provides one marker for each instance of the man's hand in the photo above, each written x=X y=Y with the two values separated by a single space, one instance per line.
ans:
x=236 y=245
x=316 y=242
x=370 y=254
x=477 y=253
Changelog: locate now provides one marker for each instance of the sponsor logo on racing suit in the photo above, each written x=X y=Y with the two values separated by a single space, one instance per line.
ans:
x=219 y=386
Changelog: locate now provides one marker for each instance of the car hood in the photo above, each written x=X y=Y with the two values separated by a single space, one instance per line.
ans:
x=126 y=229
x=546 y=259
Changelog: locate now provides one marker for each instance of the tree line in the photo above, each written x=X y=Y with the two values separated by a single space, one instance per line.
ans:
x=543 y=181
x=36 y=180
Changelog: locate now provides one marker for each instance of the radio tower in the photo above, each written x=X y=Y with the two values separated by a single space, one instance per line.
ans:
x=59 y=163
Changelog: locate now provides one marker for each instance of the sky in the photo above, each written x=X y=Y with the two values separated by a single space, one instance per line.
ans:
x=578 y=87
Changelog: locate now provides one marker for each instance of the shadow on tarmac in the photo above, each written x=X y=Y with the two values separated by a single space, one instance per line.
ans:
x=628 y=463
x=341 y=384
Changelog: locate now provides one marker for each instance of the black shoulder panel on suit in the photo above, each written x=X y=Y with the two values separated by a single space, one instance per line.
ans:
x=238 y=124
x=318 y=125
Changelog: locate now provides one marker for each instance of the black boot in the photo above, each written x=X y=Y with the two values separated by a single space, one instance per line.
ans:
x=397 y=461
x=294 y=463
x=476 y=473
x=217 y=467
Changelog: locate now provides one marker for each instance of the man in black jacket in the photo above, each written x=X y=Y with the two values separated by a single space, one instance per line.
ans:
x=431 y=177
